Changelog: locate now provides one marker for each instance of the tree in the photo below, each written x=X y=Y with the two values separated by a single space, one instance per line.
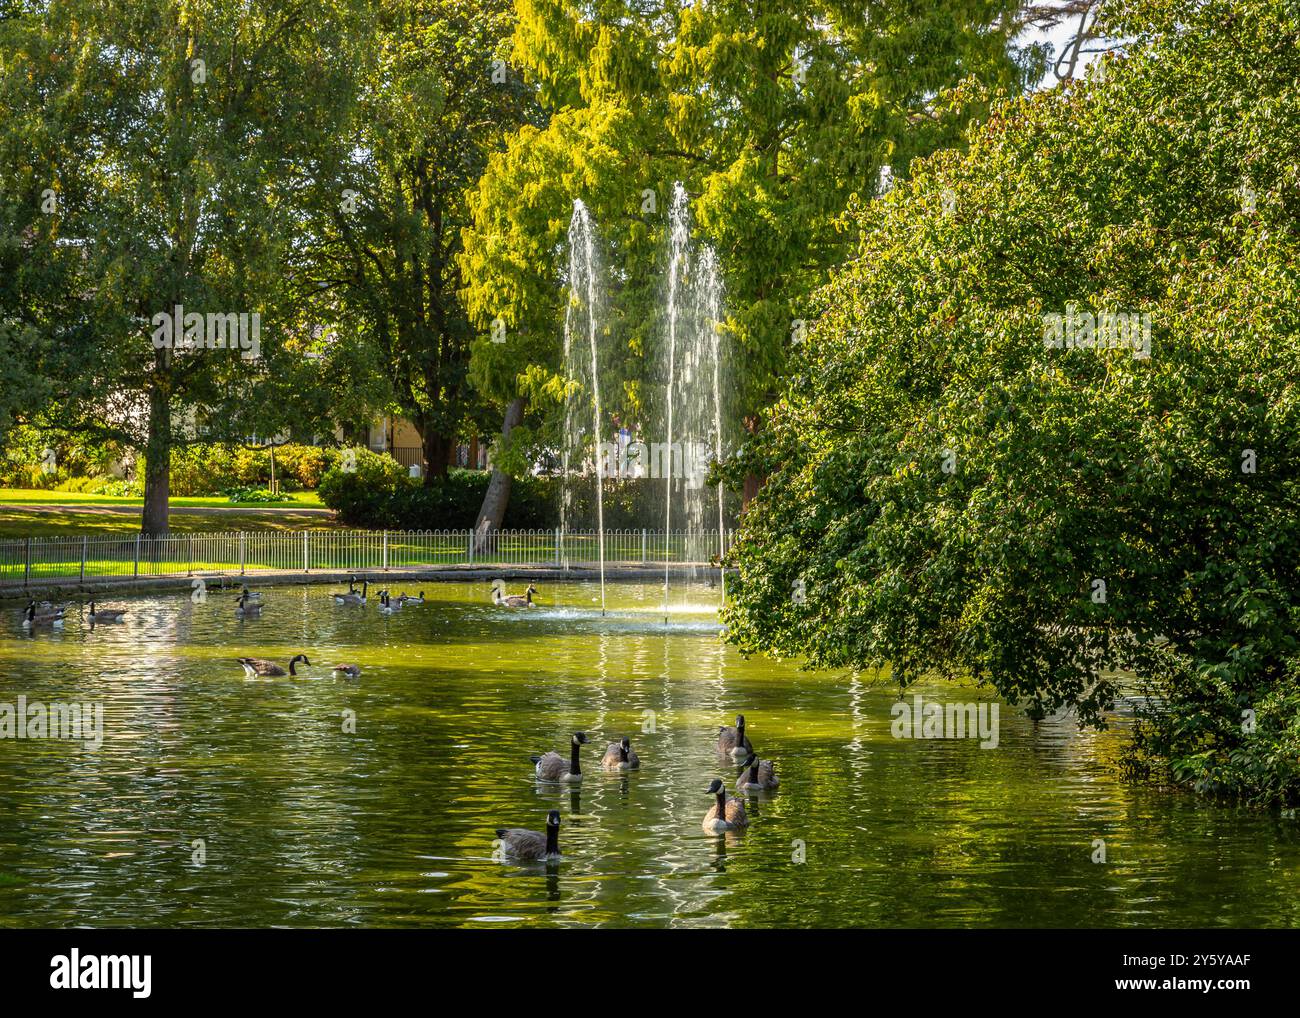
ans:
x=164 y=145
x=773 y=114
x=953 y=493
x=389 y=210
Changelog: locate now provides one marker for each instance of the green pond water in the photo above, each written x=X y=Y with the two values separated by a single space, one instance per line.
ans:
x=306 y=824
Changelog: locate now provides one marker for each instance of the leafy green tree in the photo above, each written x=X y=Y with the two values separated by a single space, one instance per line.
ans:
x=390 y=208
x=164 y=145
x=954 y=494
x=773 y=115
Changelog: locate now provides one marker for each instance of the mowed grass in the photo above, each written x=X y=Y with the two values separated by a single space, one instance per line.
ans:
x=37 y=496
x=28 y=512
x=16 y=522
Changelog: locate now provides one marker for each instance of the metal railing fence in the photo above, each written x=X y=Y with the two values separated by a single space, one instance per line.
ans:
x=35 y=559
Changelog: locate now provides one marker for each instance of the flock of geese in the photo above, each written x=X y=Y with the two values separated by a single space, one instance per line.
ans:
x=726 y=814
x=249 y=604
x=47 y=615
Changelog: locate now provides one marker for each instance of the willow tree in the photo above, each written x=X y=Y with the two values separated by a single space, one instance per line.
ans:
x=163 y=145
x=773 y=114
x=978 y=473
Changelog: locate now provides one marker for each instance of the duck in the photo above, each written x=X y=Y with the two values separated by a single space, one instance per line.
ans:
x=252 y=595
x=349 y=671
x=404 y=599
x=32 y=619
x=244 y=608
x=352 y=597
x=551 y=766
x=386 y=606
x=524 y=600
x=733 y=741
x=260 y=668
x=104 y=614
x=758 y=776
x=532 y=845
x=727 y=814
x=620 y=756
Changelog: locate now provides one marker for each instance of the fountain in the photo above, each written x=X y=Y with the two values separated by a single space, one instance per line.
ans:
x=583 y=368
x=693 y=388
x=692 y=414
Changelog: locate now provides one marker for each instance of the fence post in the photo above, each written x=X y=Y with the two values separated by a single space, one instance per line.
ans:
x=557 y=546
x=385 y=551
x=84 y=540
x=469 y=548
x=643 y=540
x=136 y=574
x=27 y=568
x=242 y=550
x=306 y=562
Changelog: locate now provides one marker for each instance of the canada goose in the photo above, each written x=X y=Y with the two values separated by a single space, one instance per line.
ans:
x=104 y=614
x=727 y=813
x=386 y=606
x=758 y=776
x=734 y=740
x=33 y=619
x=551 y=766
x=525 y=844
x=524 y=600
x=351 y=671
x=352 y=597
x=620 y=756
x=256 y=667
x=404 y=600
x=244 y=608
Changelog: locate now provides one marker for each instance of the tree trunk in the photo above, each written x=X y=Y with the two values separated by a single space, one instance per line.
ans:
x=157 y=464
x=498 y=492
x=436 y=454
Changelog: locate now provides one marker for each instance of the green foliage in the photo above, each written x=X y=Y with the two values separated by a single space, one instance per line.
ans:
x=641 y=95
x=247 y=494
x=354 y=486
x=378 y=497
x=214 y=469
x=949 y=489
x=152 y=155
x=387 y=208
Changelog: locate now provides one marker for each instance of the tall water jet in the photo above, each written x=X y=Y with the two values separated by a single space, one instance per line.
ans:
x=582 y=375
x=709 y=287
x=678 y=265
x=693 y=389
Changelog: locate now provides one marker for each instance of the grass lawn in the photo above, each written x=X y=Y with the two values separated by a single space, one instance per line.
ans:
x=28 y=513
x=37 y=496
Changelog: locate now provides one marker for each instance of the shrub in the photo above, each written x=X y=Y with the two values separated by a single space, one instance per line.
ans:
x=379 y=495
x=360 y=485
x=247 y=495
x=304 y=463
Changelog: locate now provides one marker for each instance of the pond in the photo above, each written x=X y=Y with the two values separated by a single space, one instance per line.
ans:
x=217 y=800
